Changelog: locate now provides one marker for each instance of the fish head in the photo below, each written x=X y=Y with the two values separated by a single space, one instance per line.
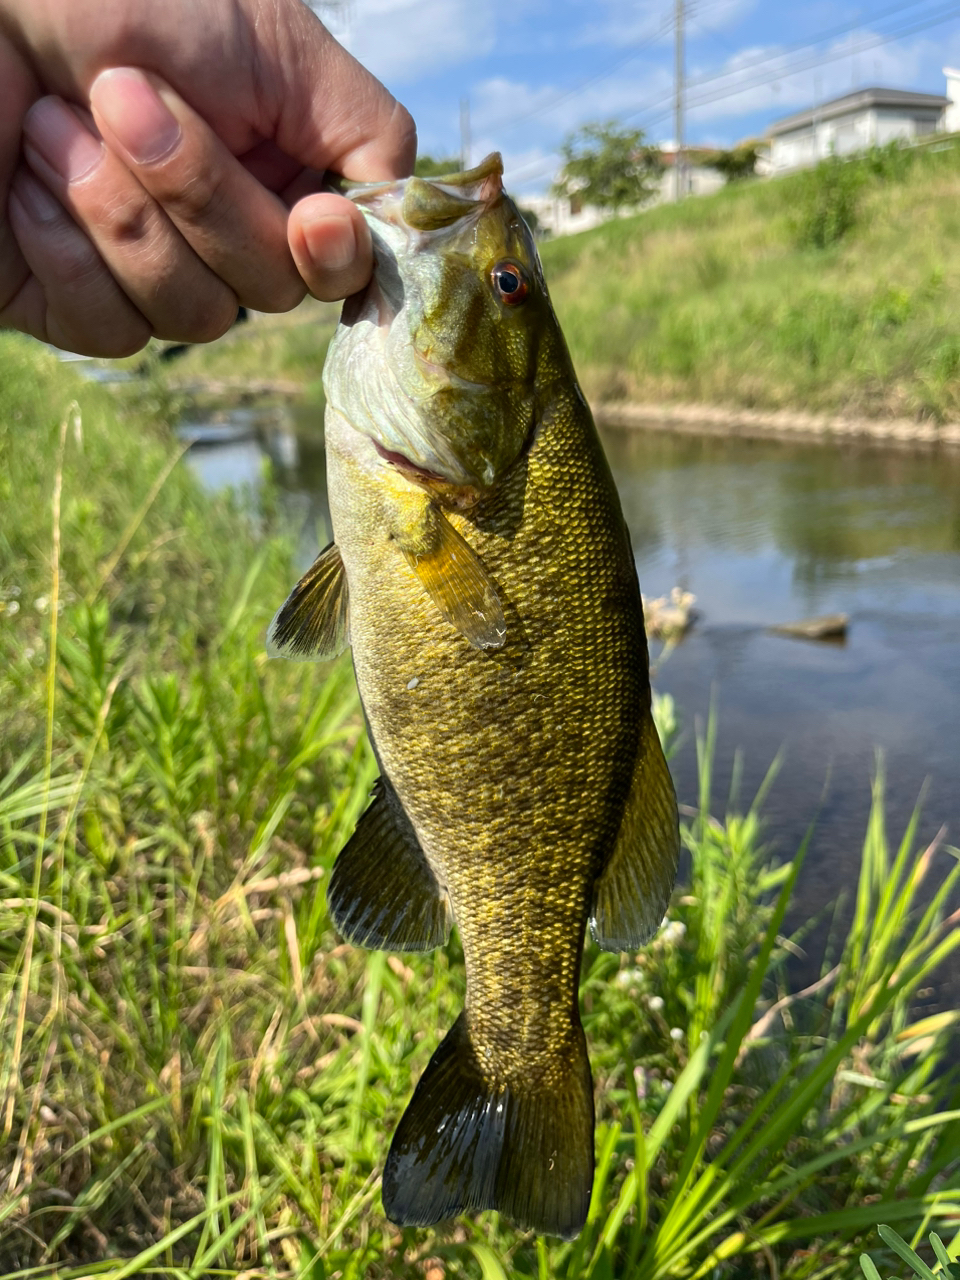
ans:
x=439 y=360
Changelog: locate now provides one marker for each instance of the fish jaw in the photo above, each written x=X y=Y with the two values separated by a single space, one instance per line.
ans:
x=428 y=362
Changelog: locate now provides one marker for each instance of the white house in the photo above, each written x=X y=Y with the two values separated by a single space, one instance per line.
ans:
x=699 y=178
x=951 y=117
x=866 y=118
x=561 y=216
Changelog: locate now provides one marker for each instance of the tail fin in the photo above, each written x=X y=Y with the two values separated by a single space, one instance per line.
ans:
x=467 y=1142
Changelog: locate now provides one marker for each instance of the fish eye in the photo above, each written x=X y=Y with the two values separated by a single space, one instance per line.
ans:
x=510 y=282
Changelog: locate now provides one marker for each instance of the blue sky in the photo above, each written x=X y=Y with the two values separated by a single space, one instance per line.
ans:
x=536 y=69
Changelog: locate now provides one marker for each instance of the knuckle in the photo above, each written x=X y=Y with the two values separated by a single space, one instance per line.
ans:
x=199 y=198
x=129 y=219
x=279 y=298
x=104 y=336
x=77 y=263
x=208 y=322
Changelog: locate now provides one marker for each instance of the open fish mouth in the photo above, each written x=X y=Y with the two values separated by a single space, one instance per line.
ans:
x=434 y=204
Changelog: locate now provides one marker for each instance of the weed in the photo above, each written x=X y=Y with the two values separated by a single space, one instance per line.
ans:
x=196 y=1076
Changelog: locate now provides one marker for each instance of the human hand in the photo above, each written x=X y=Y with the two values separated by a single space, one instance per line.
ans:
x=164 y=200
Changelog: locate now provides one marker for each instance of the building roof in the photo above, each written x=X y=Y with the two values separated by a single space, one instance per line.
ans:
x=861 y=100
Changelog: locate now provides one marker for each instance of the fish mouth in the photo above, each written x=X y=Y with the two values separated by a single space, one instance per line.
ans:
x=435 y=204
x=459 y=496
x=405 y=464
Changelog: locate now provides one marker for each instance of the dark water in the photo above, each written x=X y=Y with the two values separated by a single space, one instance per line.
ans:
x=762 y=533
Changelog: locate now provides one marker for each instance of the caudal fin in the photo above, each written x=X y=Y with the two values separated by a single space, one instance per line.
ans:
x=467 y=1142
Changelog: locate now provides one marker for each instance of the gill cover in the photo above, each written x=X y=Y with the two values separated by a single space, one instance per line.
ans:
x=434 y=362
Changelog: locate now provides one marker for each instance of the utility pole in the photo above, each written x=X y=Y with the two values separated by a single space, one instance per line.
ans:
x=464 y=134
x=678 y=164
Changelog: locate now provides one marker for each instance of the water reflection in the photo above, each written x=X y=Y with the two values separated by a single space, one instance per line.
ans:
x=230 y=449
x=763 y=533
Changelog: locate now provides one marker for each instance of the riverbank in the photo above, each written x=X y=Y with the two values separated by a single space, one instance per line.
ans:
x=777 y=424
x=741 y=299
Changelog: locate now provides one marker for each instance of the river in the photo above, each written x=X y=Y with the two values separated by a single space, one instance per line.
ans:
x=763 y=533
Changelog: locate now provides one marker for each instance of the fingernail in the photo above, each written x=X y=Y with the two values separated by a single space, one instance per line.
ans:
x=331 y=241
x=67 y=146
x=36 y=200
x=135 y=113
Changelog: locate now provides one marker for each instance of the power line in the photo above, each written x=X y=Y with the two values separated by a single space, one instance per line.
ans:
x=708 y=94
x=762 y=59
x=508 y=123
x=808 y=63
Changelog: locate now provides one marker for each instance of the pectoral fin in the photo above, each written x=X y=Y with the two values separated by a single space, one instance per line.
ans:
x=453 y=576
x=312 y=624
x=633 y=891
x=382 y=892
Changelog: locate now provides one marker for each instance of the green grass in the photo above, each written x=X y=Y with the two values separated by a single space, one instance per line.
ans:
x=829 y=290
x=285 y=350
x=197 y=1078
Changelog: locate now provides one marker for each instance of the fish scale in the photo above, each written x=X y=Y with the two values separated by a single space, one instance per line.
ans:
x=500 y=656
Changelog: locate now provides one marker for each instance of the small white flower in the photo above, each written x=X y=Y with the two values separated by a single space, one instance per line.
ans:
x=41 y=604
x=655 y=1003
x=676 y=1034
x=628 y=977
x=13 y=606
x=674 y=931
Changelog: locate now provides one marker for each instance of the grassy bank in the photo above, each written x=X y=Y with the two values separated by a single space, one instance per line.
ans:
x=831 y=291
x=197 y=1077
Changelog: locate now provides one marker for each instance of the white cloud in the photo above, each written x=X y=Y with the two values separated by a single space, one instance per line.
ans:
x=504 y=107
x=627 y=22
x=401 y=41
x=773 y=87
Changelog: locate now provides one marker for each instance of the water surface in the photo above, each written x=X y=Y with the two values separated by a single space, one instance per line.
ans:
x=764 y=533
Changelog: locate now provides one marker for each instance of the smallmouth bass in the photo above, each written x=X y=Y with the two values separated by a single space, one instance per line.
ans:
x=483 y=573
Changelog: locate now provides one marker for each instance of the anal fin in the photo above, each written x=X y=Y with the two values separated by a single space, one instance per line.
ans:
x=382 y=892
x=632 y=893
x=312 y=624
x=467 y=1141
x=455 y=579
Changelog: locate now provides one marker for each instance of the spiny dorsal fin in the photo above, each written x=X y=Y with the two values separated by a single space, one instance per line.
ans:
x=632 y=893
x=470 y=1141
x=382 y=892
x=313 y=623
x=453 y=576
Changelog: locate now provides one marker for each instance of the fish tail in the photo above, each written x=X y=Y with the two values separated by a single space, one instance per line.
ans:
x=468 y=1141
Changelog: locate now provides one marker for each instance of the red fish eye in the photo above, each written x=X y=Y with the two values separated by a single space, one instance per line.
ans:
x=510 y=282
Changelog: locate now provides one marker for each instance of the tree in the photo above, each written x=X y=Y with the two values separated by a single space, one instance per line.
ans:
x=427 y=167
x=609 y=167
x=737 y=163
